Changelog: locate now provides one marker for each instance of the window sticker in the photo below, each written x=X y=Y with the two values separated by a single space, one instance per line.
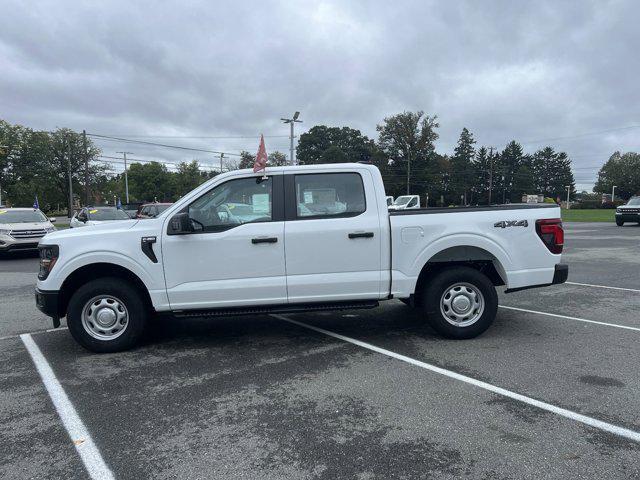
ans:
x=93 y=211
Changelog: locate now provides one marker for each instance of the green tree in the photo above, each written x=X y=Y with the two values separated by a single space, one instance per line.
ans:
x=552 y=172
x=623 y=171
x=147 y=182
x=511 y=159
x=322 y=144
x=462 y=174
x=276 y=159
x=407 y=139
x=246 y=160
x=187 y=177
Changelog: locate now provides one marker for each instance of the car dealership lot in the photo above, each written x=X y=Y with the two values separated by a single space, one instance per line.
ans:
x=260 y=396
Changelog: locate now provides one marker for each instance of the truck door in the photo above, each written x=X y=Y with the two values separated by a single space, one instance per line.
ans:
x=236 y=255
x=332 y=237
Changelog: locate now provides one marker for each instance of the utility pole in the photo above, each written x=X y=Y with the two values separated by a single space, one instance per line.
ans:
x=86 y=167
x=68 y=152
x=291 y=121
x=568 y=192
x=126 y=176
x=613 y=194
x=221 y=157
x=2 y=147
x=490 y=173
x=408 y=171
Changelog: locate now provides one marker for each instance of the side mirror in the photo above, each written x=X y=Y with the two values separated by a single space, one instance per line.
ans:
x=53 y=219
x=180 y=224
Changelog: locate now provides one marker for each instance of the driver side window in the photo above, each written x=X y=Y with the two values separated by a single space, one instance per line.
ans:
x=233 y=203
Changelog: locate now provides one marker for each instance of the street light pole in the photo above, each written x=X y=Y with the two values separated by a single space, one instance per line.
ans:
x=2 y=147
x=291 y=121
x=613 y=193
x=568 y=191
x=126 y=177
x=221 y=157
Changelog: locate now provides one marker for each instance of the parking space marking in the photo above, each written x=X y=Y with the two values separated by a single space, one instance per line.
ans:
x=78 y=433
x=18 y=335
x=578 y=417
x=635 y=290
x=626 y=327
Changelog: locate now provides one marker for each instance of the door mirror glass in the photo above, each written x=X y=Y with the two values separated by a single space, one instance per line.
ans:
x=180 y=224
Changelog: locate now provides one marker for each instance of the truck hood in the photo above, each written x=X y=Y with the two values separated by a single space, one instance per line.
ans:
x=92 y=230
x=629 y=207
x=26 y=225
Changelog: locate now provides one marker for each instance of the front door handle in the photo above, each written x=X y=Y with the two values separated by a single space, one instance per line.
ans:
x=361 y=235
x=264 y=240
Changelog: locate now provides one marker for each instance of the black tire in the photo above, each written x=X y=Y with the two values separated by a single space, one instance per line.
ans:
x=125 y=292
x=620 y=223
x=435 y=289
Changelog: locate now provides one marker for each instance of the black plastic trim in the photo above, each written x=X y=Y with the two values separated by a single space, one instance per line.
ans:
x=48 y=302
x=146 y=243
x=286 y=308
x=509 y=206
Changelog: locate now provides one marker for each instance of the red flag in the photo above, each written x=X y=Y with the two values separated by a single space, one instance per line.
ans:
x=261 y=157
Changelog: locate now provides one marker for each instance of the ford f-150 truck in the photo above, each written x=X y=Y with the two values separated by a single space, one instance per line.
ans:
x=302 y=238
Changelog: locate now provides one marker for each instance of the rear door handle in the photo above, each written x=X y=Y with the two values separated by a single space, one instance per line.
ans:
x=361 y=235
x=264 y=240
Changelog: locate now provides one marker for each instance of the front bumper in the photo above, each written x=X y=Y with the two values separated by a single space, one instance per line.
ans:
x=48 y=302
x=10 y=244
x=628 y=217
x=560 y=275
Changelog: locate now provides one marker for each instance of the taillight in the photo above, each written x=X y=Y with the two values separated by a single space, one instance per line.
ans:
x=551 y=233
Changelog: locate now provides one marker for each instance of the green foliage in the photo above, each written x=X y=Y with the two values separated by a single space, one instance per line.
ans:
x=322 y=144
x=623 y=171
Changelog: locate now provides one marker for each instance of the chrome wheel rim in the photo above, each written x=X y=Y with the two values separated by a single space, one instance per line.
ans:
x=105 y=317
x=462 y=304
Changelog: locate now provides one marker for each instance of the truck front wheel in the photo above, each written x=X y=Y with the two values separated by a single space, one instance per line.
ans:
x=107 y=315
x=460 y=302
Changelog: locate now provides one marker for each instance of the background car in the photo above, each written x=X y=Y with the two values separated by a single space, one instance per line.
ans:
x=629 y=212
x=406 y=202
x=152 y=210
x=96 y=215
x=132 y=209
x=22 y=228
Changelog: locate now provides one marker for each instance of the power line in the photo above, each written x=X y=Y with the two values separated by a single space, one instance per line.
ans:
x=178 y=147
x=204 y=137
x=580 y=135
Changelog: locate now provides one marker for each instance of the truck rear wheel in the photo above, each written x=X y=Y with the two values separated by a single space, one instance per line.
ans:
x=107 y=315
x=460 y=302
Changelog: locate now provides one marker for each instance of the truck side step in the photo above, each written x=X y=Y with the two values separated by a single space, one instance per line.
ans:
x=266 y=309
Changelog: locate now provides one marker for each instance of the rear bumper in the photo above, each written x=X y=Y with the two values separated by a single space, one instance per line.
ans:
x=560 y=275
x=48 y=302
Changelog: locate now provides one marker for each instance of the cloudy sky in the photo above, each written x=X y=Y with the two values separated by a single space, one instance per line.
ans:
x=537 y=72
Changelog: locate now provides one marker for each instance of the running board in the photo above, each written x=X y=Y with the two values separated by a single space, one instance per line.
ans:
x=266 y=309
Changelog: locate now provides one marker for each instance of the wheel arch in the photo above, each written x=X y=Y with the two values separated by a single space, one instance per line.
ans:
x=474 y=257
x=92 y=271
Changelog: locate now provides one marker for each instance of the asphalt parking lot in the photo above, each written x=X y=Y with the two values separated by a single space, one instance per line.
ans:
x=552 y=390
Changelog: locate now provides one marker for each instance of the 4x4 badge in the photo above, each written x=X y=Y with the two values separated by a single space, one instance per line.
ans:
x=511 y=223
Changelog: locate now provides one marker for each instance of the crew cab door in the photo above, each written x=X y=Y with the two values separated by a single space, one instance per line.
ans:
x=332 y=236
x=235 y=256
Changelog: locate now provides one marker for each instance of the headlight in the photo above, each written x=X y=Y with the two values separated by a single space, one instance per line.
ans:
x=50 y=229
x=4 y=231
x=48 y=258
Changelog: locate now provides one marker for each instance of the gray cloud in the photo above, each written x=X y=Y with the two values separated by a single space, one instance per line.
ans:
x=505 y=70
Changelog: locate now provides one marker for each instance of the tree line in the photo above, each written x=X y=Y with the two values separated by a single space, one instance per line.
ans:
x=406 y=156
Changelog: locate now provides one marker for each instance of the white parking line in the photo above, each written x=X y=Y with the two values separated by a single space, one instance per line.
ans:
x=604 y=286
x=626 y=327
x=33 y=333
x=578 y=417
x=88 y=451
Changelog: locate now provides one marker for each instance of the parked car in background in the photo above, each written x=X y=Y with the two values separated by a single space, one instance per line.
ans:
x=406 y=202
x=97 y=215
x=152 y=210
x=629 y=212
x=132 y=209
x=389 y=201
x=22 y=228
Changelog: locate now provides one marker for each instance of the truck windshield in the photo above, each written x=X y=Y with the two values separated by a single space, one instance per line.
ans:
x=403 y=200
x=21 y=216
x=634 y=201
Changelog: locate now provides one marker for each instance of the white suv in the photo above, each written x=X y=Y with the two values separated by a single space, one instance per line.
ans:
x=22 y=228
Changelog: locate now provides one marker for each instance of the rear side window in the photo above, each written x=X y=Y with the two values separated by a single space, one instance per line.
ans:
x=326 y=195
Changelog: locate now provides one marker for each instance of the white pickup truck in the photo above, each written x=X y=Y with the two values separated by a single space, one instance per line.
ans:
x=303 y=238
